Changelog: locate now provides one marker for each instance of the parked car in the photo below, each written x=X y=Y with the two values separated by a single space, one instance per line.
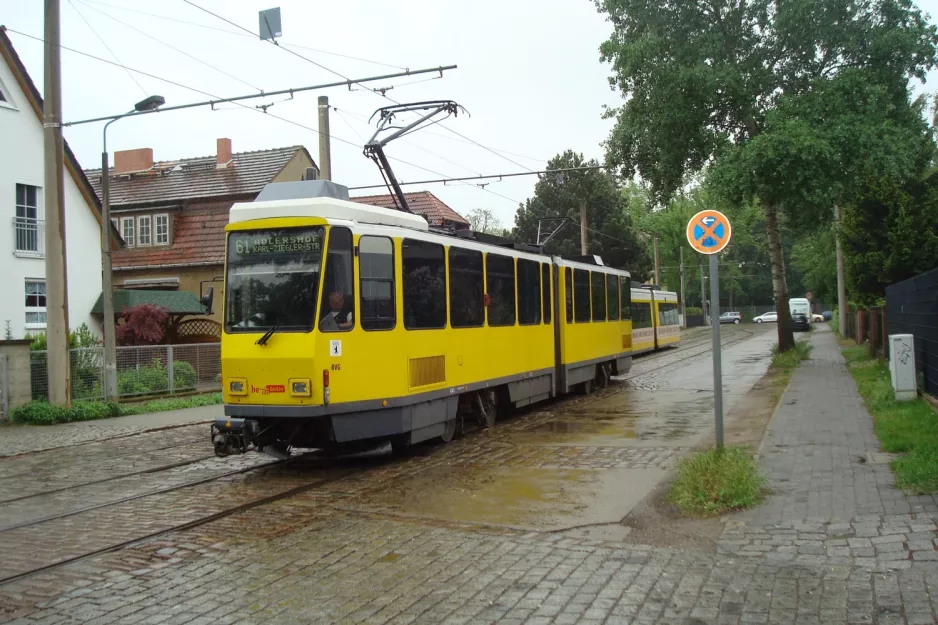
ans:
x=817 y=318
x=800 y=321
x=731 y=317
x=769 y=317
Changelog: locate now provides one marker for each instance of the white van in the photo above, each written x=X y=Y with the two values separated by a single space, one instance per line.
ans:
x=801 y=307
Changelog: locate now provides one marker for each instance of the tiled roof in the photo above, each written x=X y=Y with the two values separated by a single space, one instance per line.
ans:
x=424 y=203
x=198 y=236
x=196 y=178
x=175 y=302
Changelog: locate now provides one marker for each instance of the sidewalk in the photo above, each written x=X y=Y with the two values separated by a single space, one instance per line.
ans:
x=834 y=501
x=19 y=439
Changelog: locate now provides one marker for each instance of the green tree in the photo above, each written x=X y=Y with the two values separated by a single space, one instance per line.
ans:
x=703 y=79
x=558 y=195
x=484 y=220
x=889 y=235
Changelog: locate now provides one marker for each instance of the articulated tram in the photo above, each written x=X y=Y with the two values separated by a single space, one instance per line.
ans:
x=347 y=323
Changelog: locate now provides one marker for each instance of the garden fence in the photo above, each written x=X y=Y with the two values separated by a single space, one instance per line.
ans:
x=142 y=371
x=912 y=308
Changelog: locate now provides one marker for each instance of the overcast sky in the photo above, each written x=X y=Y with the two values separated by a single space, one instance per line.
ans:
x=529 y=74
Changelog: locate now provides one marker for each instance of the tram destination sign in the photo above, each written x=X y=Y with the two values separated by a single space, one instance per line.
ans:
x=275 y=243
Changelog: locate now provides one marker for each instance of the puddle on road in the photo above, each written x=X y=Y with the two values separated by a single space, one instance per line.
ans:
x=511 y=496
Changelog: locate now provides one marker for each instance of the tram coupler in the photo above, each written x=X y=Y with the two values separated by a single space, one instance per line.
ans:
x=232 y=436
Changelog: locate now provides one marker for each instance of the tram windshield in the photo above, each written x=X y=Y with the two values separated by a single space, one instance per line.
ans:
x=272 y=279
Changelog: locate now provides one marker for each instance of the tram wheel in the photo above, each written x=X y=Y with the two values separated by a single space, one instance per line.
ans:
x=449 y=430
x=587 y=387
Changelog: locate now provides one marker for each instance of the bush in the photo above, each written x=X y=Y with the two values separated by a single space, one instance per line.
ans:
x=693 y=311
x=713 y=482
x=44 y=413
x=154 y=378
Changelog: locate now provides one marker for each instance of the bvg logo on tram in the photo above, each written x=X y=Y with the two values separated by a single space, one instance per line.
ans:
x=267 y=390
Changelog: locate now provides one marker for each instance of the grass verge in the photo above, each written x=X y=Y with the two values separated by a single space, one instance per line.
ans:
x=713 y=482
x=44 y=413
x=787 y=361
x=909 y=428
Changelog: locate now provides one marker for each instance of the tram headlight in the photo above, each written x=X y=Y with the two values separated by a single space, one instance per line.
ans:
x=238 y=386
x=300 y=388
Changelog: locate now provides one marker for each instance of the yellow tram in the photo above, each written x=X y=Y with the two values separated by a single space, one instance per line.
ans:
x=655 y=319
x=347 y=323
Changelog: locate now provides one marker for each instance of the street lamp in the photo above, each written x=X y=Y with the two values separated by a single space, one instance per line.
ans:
x=110 y=340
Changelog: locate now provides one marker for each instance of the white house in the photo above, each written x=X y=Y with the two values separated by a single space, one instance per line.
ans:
x=22 y=223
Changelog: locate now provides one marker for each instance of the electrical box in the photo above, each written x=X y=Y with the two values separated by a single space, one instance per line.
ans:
x=902 y=366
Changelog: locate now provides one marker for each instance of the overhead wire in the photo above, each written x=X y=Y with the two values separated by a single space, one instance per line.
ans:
x=246 y=107
x=376 y=91
x=242 y=34
x=104 y=43
x=172 y=47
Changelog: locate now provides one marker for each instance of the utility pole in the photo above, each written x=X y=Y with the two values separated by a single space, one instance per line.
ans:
x=703 y=297
x=657 y=264
x=683 y=304
x=325 y=151
x=583 y=242
x=56 y=270
x=841 y=284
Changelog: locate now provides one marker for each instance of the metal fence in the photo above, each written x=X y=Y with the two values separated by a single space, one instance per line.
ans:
x=912 y=308
x=141 y=371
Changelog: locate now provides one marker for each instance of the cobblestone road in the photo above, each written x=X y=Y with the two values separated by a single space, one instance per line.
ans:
x=835 y=543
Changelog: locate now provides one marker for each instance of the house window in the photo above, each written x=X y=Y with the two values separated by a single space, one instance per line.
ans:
x=35 y=303
x=127 y=231
x=143 y=230
x=28 y=232
x=162 y=229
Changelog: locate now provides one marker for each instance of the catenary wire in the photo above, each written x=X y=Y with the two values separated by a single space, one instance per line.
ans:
x=321 y=66
x=249 y=108
x=104 y=43
x=242 y=34
x=172 y=47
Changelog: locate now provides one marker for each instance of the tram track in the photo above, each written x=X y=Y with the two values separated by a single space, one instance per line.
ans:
x=181 y=527
x=161 y=516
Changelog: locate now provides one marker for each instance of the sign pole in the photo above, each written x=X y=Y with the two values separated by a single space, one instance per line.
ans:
x=709 y=233
x=717 y=355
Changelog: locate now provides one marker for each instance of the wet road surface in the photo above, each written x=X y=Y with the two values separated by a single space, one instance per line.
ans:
x=554 y=469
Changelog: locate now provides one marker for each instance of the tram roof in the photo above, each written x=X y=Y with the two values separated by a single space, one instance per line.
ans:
x=326 y=208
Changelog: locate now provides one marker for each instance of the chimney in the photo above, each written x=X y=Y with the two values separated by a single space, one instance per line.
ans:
x=222 y=153
x=130 y=161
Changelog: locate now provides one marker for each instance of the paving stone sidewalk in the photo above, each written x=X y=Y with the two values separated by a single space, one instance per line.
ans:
x=21 y=439
x=834 y=499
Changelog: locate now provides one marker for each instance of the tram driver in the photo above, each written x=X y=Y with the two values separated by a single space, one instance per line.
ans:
x=336 y=319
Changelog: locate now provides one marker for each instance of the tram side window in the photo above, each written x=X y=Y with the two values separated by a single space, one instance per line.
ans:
x=466 y=288
x=668 y=314
x=641 y=315
x=599 y=296
x=337 y=312
x=612 y=297
x=424 y=274
x=568 y=289
x=376 y=277
x=545 y=290
x=581 y=292
x=529 y=292
x=500 y=283
x=625 y=293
